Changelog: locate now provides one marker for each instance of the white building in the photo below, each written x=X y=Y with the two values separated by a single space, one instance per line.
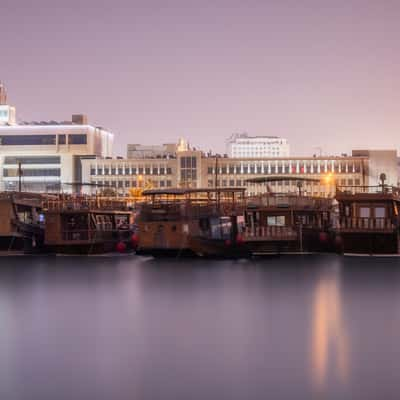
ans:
x=241 y=145
x=46 y=156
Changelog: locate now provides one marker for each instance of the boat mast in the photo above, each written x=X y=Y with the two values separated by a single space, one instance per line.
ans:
x=19 y=176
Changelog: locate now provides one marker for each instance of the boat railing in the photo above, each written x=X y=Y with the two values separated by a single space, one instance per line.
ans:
x=93 y=234
x=270 y=233
x=189 y=210
x=373 y=189
x=366 y=224
x=288 y=201
x=84 y=204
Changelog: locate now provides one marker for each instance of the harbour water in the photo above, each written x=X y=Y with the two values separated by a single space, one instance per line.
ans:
x=126 y=327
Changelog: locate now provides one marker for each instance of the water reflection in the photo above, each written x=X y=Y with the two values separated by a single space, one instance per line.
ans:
x=330 y=345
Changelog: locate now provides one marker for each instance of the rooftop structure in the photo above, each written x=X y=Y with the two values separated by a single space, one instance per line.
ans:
x=243 y=145
x=167 y=150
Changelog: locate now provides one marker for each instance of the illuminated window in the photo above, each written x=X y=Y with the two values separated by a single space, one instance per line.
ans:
x=365 y=212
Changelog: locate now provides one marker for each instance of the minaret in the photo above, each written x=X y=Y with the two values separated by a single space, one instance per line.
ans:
x=3 y=94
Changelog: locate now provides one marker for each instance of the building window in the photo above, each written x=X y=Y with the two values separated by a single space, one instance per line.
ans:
x=99 y=171
x=134 y=184
x=169 y=171
x=28 y=140
x=162 y=171
x=238 y=182
x=11 y=172
x=365 y=212
x=127 y=183
x=134 y=171
x=140 y=170
x=120 y=184
x=106 y=171
x=231 y=182
x=113 y=170
x=77 y=139
x=33 y=160
x=127 y=171
x=155 y=171
x=162 y=183
x=120 y=171
x=62 y=139
x=210 y=170
x=92 y=171
x=357 y=182
x=169 y=183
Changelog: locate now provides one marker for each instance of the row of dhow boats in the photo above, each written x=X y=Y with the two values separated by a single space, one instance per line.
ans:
x=217 y=222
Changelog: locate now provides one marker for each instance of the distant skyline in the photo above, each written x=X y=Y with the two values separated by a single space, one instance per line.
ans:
x=321 y=74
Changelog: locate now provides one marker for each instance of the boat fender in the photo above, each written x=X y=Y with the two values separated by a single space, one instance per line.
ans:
x=121 y=247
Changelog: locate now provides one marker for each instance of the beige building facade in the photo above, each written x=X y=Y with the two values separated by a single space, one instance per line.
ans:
x=193 y=168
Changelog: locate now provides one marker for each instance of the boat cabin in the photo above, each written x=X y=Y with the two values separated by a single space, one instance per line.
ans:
x=189 y=221
x=369 y=219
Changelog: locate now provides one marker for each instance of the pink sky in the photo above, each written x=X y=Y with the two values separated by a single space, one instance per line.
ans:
x=322 y=74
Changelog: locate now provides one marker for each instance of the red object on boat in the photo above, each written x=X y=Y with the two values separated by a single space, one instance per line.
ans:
x=228 y=242
x=121 y=247
x=323 y=237
x=239 y=239
x=134 y=240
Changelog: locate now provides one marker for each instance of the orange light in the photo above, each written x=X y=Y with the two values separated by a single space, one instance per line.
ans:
x=328 y=178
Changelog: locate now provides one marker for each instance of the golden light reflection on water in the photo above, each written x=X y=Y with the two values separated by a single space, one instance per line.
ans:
x=329 y=347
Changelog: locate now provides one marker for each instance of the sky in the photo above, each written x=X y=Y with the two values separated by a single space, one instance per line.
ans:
x=323 y=74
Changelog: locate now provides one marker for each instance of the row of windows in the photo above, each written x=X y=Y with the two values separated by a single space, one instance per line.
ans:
x=285 y=169
x=41 y=140
x=239 y=182
x=32 y=160
x=131 y=171
x=13 y=172
x=134 y=184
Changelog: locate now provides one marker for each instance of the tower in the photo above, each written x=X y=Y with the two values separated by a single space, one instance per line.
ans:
x=3 y=94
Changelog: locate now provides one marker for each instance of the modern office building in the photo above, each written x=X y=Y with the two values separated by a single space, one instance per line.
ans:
x=193 y=168
x=46 y=156
x=241 y=145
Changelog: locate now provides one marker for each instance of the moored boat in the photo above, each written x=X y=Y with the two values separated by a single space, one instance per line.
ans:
x=287 y=222
x=369 y=219
x=87 y=225
x=195 y=222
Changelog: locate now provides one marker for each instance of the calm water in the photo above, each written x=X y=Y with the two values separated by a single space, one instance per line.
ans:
x=316 y=327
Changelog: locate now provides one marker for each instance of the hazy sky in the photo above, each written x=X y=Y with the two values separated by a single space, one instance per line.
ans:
x=321 y=73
